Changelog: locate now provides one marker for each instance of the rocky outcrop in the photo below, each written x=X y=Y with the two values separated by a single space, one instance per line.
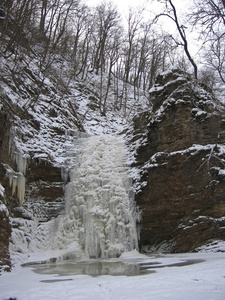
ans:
x=182 y=161
x=5 y=226
x=5 y=233
x=43 y=185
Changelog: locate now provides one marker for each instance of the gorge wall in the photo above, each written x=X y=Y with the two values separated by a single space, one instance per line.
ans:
x=181 y=155
x=179 y=146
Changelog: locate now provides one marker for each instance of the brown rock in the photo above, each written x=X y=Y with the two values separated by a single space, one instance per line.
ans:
x=182 y=162
x=5 y=233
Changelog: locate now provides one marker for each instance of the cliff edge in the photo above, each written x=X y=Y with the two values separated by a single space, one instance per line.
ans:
x=181 y=158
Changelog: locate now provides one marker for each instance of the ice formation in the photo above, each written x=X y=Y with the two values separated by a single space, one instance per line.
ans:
x=2 y=190
x=16 y=182
x=100 y=212
x=17 y=179
x=18 y=157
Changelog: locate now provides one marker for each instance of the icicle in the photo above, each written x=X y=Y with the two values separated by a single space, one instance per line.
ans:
x=16 y=182
x=21 y=162
x=21 y=187
x=17 y=179
x=18 y=157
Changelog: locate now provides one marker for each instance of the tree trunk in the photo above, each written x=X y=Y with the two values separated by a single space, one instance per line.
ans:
x=43 y=16
x=183 y=37
x=223 y=1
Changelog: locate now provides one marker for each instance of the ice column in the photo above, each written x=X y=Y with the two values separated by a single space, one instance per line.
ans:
x=100 y=210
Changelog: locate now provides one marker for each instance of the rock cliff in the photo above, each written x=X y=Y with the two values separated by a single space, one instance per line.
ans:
x=181 y=155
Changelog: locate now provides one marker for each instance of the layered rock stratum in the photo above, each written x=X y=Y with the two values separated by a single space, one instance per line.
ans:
x=181 y=155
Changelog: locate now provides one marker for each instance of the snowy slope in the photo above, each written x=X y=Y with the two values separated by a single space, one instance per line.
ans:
x=45 y=117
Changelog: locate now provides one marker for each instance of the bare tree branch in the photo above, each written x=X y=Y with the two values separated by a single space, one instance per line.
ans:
x=181 y=30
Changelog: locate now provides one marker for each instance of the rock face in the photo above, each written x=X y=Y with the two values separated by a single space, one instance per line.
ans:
x=42 y=186
x=43 y=183
x=182 y=161
x=5 y=232
x=5 y=227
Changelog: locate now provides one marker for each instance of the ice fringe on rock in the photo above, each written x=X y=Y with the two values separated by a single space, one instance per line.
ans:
x=19 y=158
x=17 y=179
x=100 y=211
x=16 y=182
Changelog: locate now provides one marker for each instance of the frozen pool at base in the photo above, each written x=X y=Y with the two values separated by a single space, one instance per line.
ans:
x=113 y=267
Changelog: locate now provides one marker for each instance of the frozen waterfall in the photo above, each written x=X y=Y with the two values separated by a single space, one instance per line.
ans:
x=100 y=212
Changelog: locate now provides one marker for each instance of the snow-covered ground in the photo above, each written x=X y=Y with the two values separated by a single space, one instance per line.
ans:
x=192 y=276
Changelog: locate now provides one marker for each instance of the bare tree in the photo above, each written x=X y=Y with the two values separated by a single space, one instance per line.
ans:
x=144 y=51
x=107 y=18
x=43 y=16
x=215 y=57
x=80 y=27
x=159 y=51
x=113 y=54
x=134 y=20
x=16 y=18
x=209 y=15
x=172 y=14
x=207 y=77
